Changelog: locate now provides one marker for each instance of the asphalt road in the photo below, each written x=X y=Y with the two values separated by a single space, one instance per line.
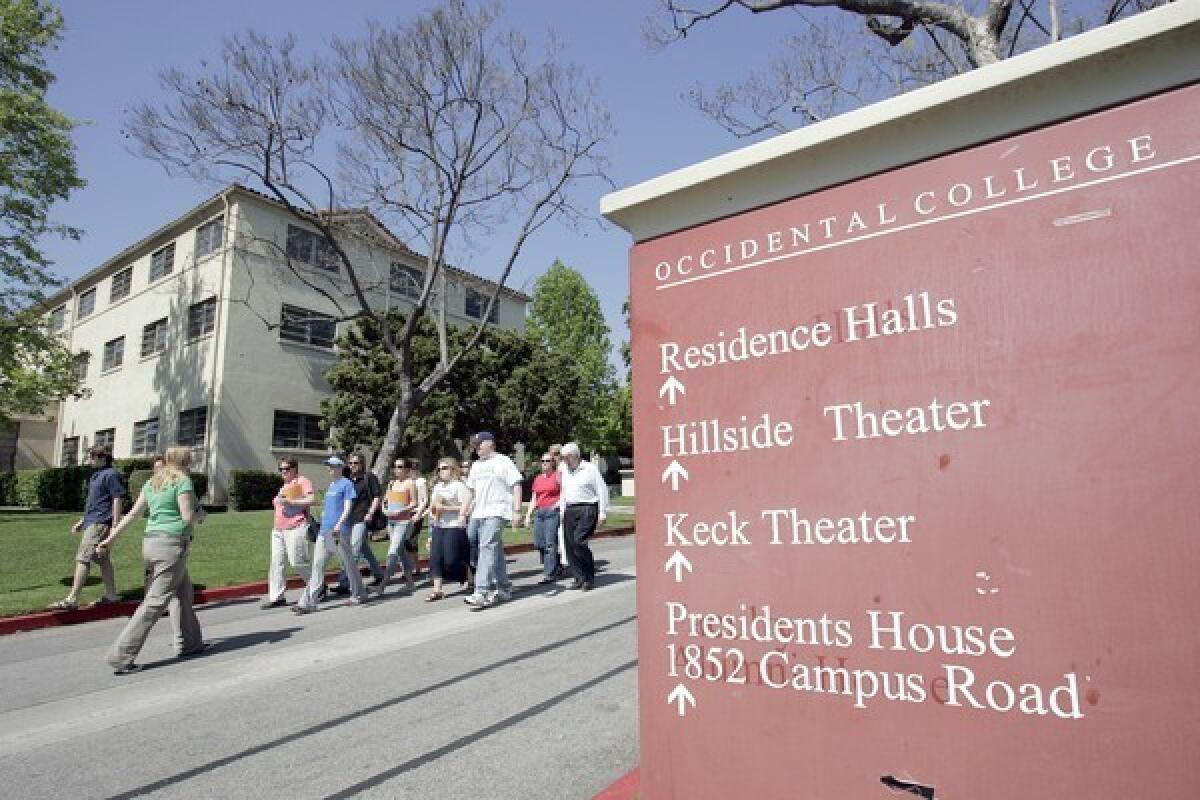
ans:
x=535 y=698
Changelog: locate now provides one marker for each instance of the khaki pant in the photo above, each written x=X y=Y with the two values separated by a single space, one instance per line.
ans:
x=170 y=585
x=288 y=546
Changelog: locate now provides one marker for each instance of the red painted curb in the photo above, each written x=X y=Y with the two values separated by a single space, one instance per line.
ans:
x=218 y=594
x=625 y=788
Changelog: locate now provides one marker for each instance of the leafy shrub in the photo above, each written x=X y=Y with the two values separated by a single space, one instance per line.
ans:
x=127 y=466
x=56 y=488
x=8 y=488
x=251 y=489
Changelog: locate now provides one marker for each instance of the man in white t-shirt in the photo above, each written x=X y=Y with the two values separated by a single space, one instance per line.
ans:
x=494 y=492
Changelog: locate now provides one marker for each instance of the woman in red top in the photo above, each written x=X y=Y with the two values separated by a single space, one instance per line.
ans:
x=543 y=511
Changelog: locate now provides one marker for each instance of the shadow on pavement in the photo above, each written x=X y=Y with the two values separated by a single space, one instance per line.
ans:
x=228 y=644
x=397 y=700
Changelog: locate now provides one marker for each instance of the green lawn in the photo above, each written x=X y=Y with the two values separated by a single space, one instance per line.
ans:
x=37 y=551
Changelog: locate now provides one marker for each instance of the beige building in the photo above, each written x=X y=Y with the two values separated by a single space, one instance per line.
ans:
x=202 y=335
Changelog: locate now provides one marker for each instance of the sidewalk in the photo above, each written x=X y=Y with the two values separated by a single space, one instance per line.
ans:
x=50 y=619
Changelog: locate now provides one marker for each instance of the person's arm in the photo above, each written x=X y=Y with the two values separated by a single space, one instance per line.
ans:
x=516 y=491
x=465 y=511
x=189 y=510
x=116 y=509
x=601 y=491
x=119 y=528
x=373 y=487
x=422 y=491
x=532 y=503
x=347 y=506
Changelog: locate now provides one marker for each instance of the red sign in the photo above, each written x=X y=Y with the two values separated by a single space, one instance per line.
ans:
x=918 y=466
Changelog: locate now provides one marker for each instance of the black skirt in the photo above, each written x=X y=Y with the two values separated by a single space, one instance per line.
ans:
x=449 y=553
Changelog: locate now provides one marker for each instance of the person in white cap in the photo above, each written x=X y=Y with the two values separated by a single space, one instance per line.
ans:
x=493 y=499
x=334 y=537
x=584 y=503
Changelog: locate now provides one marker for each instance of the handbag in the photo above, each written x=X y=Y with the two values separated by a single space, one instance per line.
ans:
x=314 y=529
x=378 y=521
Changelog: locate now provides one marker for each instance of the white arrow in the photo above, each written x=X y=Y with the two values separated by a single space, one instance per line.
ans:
x=678 y=562
x=682 y=697
x=674 y=472
x=672 y=387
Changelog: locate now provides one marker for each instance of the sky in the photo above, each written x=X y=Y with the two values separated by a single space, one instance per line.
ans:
x=112 y=51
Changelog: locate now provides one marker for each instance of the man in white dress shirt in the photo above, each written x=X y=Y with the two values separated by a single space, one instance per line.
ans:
x=584 y=505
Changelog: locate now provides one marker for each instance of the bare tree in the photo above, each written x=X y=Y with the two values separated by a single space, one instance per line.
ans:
x=447 y=127
x=847 y=53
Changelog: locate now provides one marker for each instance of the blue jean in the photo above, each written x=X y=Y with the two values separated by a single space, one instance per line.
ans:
x=360 y=544
x=491 y=571
x=397 y=533
x=473 y=541
x=545 y=538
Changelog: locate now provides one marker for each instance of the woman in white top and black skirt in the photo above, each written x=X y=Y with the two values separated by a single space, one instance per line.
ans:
x=449 y=551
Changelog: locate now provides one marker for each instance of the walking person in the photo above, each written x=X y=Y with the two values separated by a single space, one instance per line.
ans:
x=101 y=512
x=171 y=500
x=494 y=499
x=413 y=542
x=544 y=514
x=449 y=550
x=334 y=539
x=584 y=502
x=366 y=503
x=289 y=535
x=400 y=505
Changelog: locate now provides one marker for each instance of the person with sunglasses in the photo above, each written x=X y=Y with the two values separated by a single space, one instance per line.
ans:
x=289 y=542
x=543 y=513
x=366 y=503
x=399 y=505
x=448 y=547
x=334 y=539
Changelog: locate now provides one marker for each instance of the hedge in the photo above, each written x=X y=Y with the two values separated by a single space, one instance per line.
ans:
x=251 y=489
x=65 y=488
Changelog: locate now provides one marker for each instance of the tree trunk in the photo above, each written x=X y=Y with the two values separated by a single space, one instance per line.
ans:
x=389 y=448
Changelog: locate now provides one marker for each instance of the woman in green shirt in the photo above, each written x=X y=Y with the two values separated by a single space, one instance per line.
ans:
x=171 y=501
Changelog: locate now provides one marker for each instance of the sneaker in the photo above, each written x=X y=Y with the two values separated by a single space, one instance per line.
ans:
x=477 y=600
x=281 y=602
x=340 y=591
x=502 y=595
x=128 y=669
x=322 y=593
x=547 y=579
x=587 y=586
x=302 y=610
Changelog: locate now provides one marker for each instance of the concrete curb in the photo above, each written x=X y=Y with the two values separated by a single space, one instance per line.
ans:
x=219 y=594
x=626 y=787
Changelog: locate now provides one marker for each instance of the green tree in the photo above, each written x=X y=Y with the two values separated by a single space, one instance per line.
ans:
x=37 y=169
x=509 y=385
x=565 y=316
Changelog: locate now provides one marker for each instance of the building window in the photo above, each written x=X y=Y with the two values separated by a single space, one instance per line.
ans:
x=311 y=248
x=306 y=327
x=210 y=237
x=106 y=438
x=476 y=304
x=114 y=354
x=154 y=338
x=202 y=318
x=407 y=281
x=58 y=318
x=70 y=452
x=145 y=437
x=87 y=303
x=193 y=424
x=122 y=282
x=163 y=261
x=81 y=366
x=294 y=431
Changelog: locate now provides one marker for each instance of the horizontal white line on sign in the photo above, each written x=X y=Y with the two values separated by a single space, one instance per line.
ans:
x=931 y=221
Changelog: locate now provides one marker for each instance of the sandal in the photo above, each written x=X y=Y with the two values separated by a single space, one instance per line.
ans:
x=433 y=596
x=63 y=605
x=103 y=601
